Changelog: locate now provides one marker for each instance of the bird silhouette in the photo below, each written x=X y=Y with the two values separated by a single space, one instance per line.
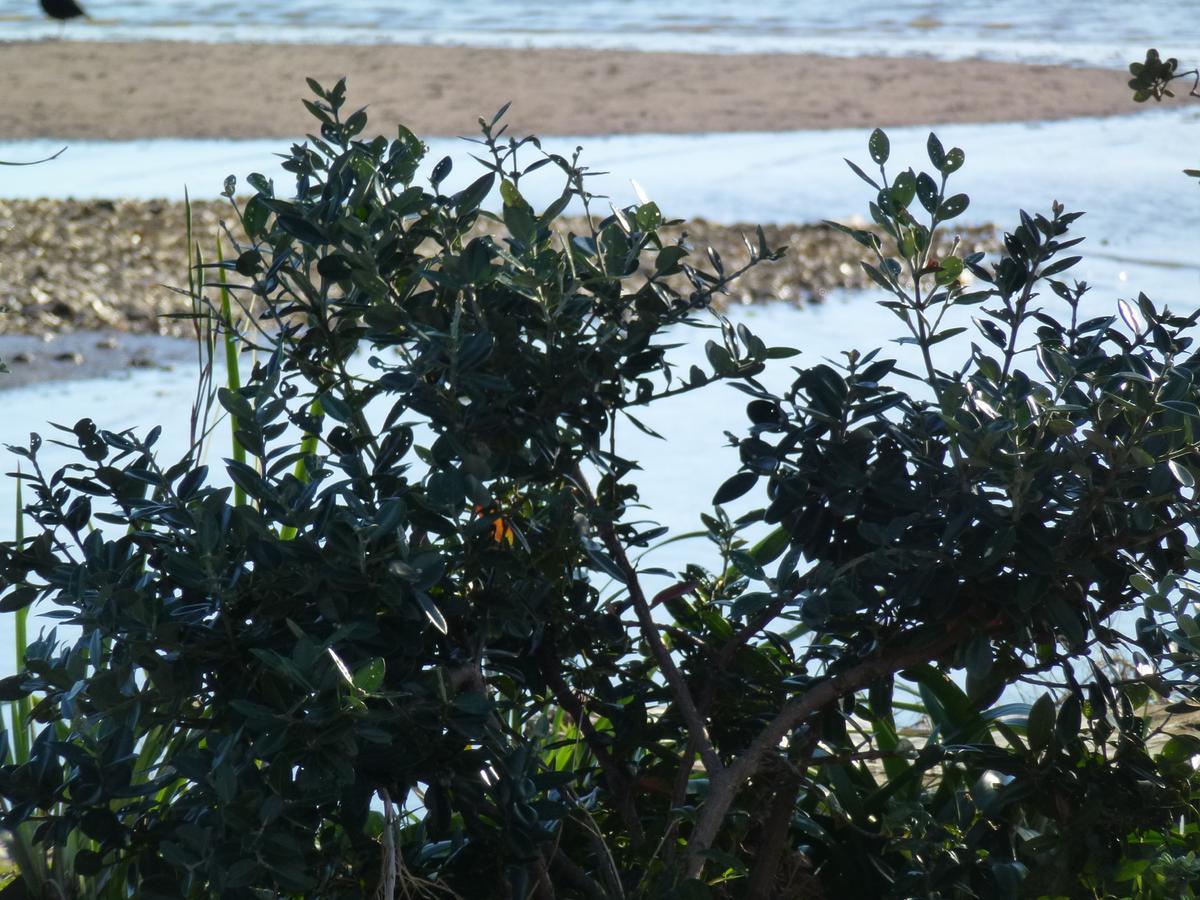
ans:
x=62 y=10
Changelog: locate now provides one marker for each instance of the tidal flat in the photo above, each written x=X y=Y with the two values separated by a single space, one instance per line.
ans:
x=88 y=265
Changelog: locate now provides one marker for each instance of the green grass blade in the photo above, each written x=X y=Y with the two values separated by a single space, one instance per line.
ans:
x=308 y=447
x=233 y=377
x=21 y=708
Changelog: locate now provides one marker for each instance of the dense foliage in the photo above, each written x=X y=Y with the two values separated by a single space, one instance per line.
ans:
x=408 y=647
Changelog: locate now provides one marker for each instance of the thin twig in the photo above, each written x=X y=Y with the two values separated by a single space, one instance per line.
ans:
x=679 y=688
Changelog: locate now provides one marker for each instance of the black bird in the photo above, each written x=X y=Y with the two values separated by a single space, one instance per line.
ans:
x=62 y=10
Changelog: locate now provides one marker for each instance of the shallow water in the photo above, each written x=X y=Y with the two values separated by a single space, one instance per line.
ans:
x=1108 y=32
x=1125 y=172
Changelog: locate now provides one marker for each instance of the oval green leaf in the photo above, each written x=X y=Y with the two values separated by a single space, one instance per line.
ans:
x=879 y=146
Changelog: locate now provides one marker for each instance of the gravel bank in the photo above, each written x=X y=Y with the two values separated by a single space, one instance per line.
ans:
x=99 y=264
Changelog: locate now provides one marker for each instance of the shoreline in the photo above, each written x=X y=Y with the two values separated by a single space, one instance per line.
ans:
x=95 y=265
x=80 y=355
x=120 y=91
x=918 y=39
x=85 y=284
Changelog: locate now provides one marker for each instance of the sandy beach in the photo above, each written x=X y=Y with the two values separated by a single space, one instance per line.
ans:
x=116 y=91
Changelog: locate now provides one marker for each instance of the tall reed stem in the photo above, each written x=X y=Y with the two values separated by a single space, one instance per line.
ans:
x=308 y=446
x=233 y=377
x=21 y=708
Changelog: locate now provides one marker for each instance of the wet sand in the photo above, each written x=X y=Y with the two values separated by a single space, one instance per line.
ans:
x=33 y=359
x=71 y=89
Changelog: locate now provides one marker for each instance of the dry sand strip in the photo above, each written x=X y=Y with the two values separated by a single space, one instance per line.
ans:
x=79 y=90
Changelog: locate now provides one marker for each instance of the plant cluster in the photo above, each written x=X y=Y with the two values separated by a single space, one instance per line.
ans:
x=1152 y=78
x=404 y=643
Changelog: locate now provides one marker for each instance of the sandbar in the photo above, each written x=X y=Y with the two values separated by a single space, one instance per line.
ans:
x=119 y=91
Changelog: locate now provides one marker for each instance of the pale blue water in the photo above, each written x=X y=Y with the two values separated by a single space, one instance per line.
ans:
x=1125 y=171
x=1102 y=32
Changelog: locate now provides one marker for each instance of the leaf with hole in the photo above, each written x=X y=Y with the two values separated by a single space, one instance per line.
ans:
x=879 y=146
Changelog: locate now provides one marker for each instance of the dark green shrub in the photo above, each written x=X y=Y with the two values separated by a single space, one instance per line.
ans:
x=392 y=671
x=381 y=614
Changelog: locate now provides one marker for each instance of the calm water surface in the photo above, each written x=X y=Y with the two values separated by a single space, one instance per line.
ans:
x=1125 y=172
x=1105 y=32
